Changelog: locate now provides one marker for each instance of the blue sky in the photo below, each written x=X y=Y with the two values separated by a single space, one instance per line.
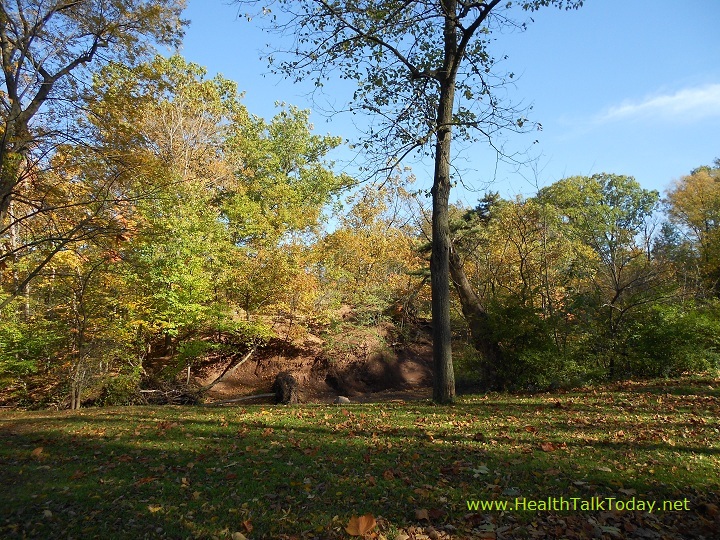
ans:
x=621 y=86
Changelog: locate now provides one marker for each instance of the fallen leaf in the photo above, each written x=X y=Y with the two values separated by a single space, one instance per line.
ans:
x=482 y=469
x=36 y=453
x=248 y=525
x=612 y=531
x=154 y=508
x=707 y=509
x=145 y=480
x=360 y=526
x=547 y=447
x=421 y=513
x=238 y=536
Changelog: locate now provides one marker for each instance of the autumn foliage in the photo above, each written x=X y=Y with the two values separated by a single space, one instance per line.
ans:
x=179 y=227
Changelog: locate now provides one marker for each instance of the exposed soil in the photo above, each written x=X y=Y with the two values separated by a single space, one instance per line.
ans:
x=363 y=364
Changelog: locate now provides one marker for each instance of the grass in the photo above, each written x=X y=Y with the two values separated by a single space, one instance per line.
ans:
x=304 y=471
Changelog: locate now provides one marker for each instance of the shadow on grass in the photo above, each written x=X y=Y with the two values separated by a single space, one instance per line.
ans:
x=188 y=472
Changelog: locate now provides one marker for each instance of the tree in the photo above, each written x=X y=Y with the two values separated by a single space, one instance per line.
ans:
x=369 y=260
x=508 y=265
x=694 y=208
x=218 y=201
x=613 y=216
x=186 y=207
x=45 y=47
x=282 y=178
x=425 y=69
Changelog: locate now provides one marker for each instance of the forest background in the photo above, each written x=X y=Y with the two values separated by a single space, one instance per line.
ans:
x=147 y=213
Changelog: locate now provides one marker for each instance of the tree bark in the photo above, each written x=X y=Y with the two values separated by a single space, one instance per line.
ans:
x=479 y=324
x=443 y=374
x=9 y=177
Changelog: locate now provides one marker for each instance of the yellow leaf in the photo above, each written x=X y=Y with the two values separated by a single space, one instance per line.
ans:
x=154 y=508
x=360 y=526
x=37 y=451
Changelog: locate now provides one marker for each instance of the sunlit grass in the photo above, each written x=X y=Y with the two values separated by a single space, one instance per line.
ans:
x=193 y=472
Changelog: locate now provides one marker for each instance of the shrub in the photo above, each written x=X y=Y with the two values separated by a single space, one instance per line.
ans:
x=121 y=389
x=668 y=340
x=26 y=346
x=530 y=357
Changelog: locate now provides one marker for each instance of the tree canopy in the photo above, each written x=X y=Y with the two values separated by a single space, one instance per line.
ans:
x=424 y=70
x=47 y=48
x=167 y=224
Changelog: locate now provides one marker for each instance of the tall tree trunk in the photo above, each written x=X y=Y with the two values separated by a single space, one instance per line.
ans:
x=14 y=230
x=443 y=374
x=479 y=325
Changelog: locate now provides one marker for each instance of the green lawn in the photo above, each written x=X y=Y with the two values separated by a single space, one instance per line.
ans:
x=304 y=471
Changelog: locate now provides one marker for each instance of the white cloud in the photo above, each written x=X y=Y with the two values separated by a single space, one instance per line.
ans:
x=687 y=104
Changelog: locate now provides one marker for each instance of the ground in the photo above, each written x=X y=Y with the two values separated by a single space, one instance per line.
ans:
x=381 y=471
x=365 y=364
x=391 y=465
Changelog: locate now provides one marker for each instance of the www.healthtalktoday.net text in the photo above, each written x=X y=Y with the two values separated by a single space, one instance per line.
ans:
x=578 y=504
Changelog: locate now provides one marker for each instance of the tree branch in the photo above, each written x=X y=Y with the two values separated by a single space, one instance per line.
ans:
x=229 y=370
x=415 y=73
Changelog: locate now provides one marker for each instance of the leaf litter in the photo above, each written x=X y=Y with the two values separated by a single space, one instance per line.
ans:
x=320 y=472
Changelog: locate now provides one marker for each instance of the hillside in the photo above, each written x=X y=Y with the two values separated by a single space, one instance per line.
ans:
x=364 y=363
